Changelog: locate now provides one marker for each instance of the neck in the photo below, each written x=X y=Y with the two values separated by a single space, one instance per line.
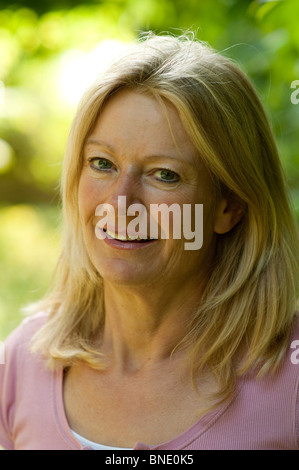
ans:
x=142 y=326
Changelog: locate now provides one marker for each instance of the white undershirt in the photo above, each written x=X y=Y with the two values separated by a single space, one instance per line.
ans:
x=94 y=445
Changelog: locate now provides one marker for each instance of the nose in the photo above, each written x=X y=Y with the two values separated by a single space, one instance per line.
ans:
x=124 y=191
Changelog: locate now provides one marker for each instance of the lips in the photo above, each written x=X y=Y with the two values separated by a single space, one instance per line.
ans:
x=123 y=237
x=127 y=244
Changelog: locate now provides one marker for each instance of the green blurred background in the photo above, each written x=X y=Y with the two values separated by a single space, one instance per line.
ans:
x=51 y=50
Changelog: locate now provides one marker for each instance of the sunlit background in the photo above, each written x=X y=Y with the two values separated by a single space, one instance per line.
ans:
x=50 y=51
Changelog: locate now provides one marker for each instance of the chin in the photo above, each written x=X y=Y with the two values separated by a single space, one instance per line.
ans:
x=123 y=272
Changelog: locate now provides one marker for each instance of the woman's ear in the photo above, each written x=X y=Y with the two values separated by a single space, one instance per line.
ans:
x=228 y=213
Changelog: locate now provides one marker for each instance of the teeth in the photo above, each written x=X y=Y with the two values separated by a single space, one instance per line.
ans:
x=123 y=237
x=117 y=237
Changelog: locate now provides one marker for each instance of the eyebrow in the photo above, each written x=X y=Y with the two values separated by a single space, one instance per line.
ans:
x=100 y=143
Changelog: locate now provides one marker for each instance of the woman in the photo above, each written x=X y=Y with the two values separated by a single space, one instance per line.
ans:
x=144 y=344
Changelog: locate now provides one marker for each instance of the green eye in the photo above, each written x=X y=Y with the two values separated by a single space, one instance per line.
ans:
x=100 y=164
x=168 y=176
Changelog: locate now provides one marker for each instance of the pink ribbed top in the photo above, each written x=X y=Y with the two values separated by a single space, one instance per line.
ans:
x=261 y=415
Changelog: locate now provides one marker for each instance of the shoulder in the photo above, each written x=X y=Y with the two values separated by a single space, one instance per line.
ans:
x=17 y=358
x=19 y=372
x=18 y=342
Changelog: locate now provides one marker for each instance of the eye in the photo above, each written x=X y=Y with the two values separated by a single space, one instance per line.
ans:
x=100 y=164
x=167 y=176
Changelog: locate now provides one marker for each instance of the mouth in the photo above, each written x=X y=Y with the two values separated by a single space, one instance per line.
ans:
x=122 y=240
x=125 y=238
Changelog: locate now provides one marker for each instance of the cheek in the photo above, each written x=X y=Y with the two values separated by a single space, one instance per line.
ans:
x=87 y=198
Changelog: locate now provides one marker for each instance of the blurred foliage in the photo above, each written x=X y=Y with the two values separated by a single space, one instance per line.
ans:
x=51 y=50
x=29 y=248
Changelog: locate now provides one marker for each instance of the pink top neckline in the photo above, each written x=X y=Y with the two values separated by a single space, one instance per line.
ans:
x=178 y=442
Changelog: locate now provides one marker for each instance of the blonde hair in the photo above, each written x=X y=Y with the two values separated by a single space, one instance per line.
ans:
x=251 y=294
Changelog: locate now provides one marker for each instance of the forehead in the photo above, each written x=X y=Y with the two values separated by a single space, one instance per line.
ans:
x=131 y=119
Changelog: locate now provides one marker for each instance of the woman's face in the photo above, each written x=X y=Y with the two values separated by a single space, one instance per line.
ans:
x=139 y=149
